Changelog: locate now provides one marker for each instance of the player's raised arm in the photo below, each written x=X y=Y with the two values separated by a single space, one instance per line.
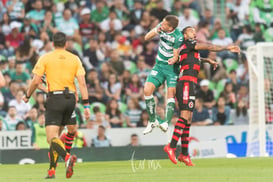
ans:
x=216 y=48
x=152 y=33
x=174 y=59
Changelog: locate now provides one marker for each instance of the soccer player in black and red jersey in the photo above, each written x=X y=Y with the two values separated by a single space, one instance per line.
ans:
x=189 y=61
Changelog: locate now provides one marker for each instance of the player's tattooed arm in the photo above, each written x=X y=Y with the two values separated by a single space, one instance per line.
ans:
x=210 y=61
x=217 y=48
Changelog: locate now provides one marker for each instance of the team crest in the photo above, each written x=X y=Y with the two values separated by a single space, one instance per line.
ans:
x=190 y=104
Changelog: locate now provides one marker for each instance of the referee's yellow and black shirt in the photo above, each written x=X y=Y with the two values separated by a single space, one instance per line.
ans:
x=60 y=67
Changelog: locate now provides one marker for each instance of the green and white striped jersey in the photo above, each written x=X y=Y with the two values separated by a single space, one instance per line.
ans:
x=168 y=42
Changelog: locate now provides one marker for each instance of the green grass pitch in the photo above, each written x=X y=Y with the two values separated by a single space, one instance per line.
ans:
x=206 y=170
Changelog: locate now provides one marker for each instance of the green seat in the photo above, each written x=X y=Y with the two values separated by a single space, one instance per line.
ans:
x=131 y=66
x=220 y=87
x=80 y=106
x=32 y=101
x=212 y=85
x=230 y=64
x=100 y=105
x=268 y=35
x=122 y=107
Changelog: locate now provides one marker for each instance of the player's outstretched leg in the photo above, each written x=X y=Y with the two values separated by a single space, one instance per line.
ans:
x=170 y=149
x=168 y=116
x=184 y=155
x=150 y=106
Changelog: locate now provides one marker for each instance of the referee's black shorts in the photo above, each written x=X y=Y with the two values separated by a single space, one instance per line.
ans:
x=185 y=95
x=59 y=109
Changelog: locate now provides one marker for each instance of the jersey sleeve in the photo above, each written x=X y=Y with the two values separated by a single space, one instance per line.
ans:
x=80 y=69
x=178 y=41
x=39 y=68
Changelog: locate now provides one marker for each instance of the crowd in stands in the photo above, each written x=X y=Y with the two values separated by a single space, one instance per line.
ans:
x=108 y=36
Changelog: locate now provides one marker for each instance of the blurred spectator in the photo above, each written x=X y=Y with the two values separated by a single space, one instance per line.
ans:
x=229 y=95
x=38 y=134
x=100 y=13
x=137 y=13
x=206 y=94
x=87 y=27
x=113 y=114
x=5 y=24
x=187 y=19
x=134 y=89
x=149 y=53
x=29 y=29
x=236 y=83
x=200 y=116
x=72 y=5
x=112 y=88
x=37 y=14
x=102 y=44
x=134 y=141
x=20 y=75
x=90 y=124
x=159 y=12
x=221 y=112
x=133 y=113
x=69 y=21
x=191 y=4
x=203 y=35
x=116 y=63
x=242 y=70
x=40 y=101
x=16 y=9
x=104 y=73
x=31 y=118
x=20 y=126
x=240 y=115
x=208 y=16
x=25 y=54
x=142 y=69
x=9 y=91
x=11 y=119
x=21 y=107
x=101 y=140
x=3 y=50
x=243 y=95
x=112 y=19
x=14 y=38
x=223 y=40
x=95 y=91
x=258 y=34
x=246 y=38
x=48 y=25
x=216 y=27
x=2 y=10
x=93 y=55
x=177 y=9
x=144 y=118
x=122 y=13
x=99 y=118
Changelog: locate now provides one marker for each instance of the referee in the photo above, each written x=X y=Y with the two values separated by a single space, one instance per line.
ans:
x=60 y=67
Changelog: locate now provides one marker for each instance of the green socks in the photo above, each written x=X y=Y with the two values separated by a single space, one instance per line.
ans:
x=169 y=110
x=150 y=106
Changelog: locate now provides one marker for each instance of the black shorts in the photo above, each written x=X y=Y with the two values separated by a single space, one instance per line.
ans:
x=185 y=95
x=59 y=109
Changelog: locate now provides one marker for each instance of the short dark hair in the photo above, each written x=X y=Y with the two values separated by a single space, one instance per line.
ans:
x=96 y=109
x=185 y=29
x=172 y=20
x=59 y=39
x=102 y=127
x=134 y=135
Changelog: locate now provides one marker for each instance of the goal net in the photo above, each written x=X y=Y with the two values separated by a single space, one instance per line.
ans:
x=260 y=63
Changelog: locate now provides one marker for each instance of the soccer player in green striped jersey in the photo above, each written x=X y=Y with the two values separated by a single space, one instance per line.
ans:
x=164 y=70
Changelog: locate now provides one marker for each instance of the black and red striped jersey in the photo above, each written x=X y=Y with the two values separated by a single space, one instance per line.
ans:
x=189 y=61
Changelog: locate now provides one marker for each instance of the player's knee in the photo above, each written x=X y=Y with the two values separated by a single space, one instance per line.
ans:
x=71 y=129
x=147 y=91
